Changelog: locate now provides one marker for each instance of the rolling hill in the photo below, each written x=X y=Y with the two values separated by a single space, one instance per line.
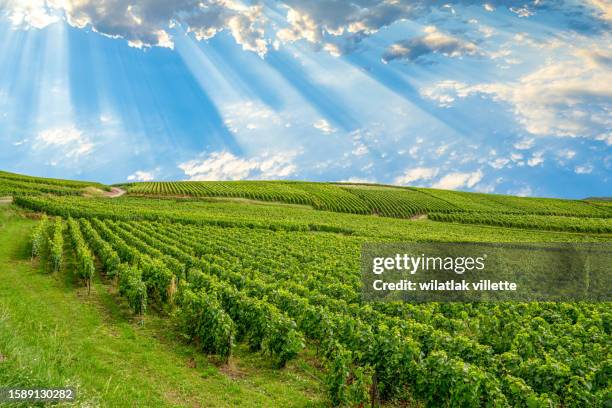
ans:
x=260 y=283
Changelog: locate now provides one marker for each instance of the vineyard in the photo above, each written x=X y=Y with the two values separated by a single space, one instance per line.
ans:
x=282 y=291
x=550 y=222
x=12 y=184
x=284 y=280
x=398 y=202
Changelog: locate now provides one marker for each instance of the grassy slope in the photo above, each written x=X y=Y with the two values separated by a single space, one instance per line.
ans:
x=54 y=335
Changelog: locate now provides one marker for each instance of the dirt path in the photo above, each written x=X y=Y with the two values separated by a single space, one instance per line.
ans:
x=114 y=193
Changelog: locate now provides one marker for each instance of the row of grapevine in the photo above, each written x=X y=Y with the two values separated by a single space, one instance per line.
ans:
x=273 y=289
x=4 y=175
x=85 y=267
x=56 y=245
x=158 y=279
x=551 y=223
x=11 y=187
x=470 y=347
x=129 y=278
x=268 y=329
x=399 y=202
x=241 y=278
x=447 y=346
x=19 y=185
x=132 y=288
x=39 y=236
x=259 y=322
x=161 y=210
x=104 y=251
x=202 y=318
x=503 y=204
x=387 y=201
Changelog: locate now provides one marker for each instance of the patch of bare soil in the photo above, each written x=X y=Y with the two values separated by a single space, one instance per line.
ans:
x=419 y=217
x=114 y=193
x=96 y=192
x=232 y=371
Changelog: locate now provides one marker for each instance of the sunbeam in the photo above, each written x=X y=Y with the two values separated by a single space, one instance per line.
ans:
x=328 y=89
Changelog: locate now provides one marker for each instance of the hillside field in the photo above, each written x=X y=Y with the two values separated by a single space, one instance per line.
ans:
x=249 y=294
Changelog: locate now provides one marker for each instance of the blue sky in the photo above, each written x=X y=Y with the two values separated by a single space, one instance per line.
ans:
x=511 y=97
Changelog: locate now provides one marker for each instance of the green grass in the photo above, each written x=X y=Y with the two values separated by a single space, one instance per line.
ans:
x=53 y=334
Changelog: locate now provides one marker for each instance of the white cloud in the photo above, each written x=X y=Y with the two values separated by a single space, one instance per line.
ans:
x=457 y=180
x=30 y=14
x=524 y=144
x=603 y=8
x=314 y=21
x=605 y=137
x=324 y=126
x=147 y=23
x=440 y=150
x=336 y=26
x=522 y=11
x=536 y=159
x=301 y=26
x=333 y=49
x=564 y=98
x=106 y=118
x=141 y=175
x=516 y=157
x=359 y=180
x=524 y=191
x=360 y=149
x=416 y=174
x=249 y=116
x=567 y=154
x=67 y=140
x=349 y=22
x=446 y=92
x=224 y=165
x=432 y=42
x=499 y=163
x=586 y=169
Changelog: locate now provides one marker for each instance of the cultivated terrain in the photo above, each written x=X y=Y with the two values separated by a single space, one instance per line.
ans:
x=248 y=294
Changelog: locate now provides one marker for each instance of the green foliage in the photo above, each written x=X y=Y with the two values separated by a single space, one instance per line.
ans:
x=399 y=202
x=281 y=284
x=348 y=385
x=84 y=259
x=17 y=185
x=202 y=319
x=504 y=204
x=259 y=322
x=39 y=236
x=551 y=223
x=388 y=201
x=56 y=245
x=132 y=288
x=105 y=252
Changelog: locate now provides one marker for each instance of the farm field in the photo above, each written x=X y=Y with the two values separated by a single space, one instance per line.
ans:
x=17 y=184
x=389 y=201
x=53 y=333
x=274 y=281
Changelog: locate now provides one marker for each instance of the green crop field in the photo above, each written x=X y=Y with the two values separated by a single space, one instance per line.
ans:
x=17 y=184
x=389 y=201
x=257 y=286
